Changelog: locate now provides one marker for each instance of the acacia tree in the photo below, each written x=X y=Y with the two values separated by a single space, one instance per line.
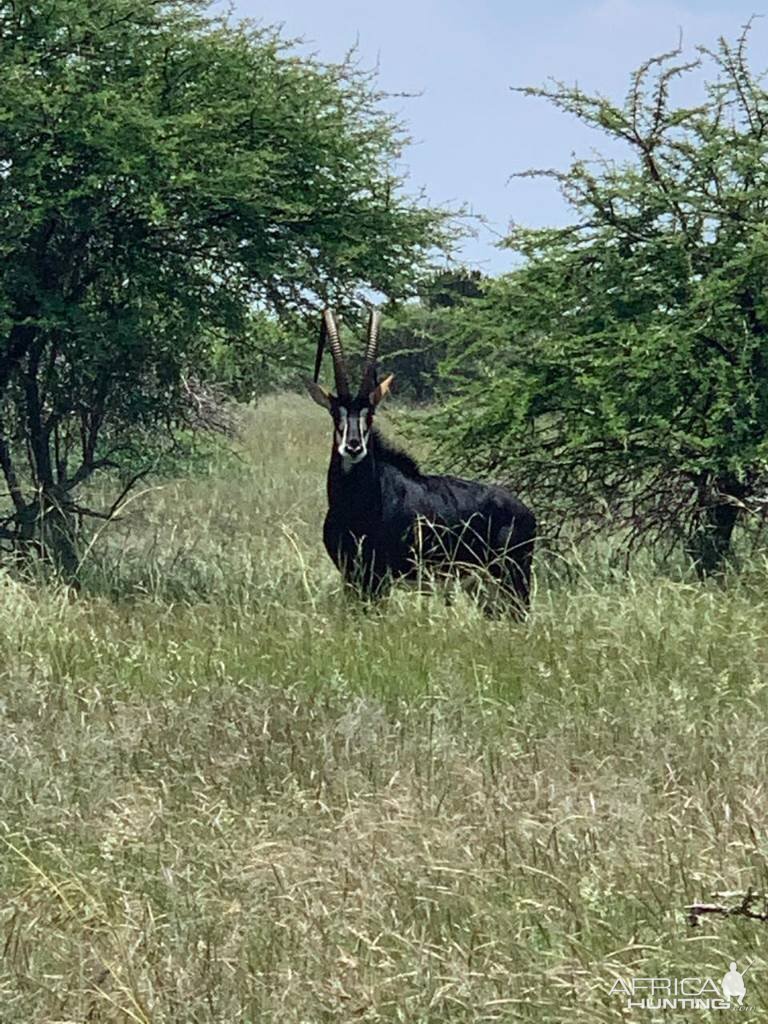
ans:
x=415 y=334
x=163 y=177
x=621 y=374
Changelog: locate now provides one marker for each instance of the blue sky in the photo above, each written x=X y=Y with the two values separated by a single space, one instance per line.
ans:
x=470 y=131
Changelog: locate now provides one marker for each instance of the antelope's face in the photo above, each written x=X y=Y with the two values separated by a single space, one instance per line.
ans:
x=352 y=419
x=352 y=426
x=352 y=415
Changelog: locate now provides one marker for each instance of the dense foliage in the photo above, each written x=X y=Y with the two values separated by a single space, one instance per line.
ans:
x=415 y=336
x=621 y=375
x=164 y=179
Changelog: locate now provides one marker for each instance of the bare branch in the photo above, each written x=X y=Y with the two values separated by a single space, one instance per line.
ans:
x=741 y=909
x=117 y=504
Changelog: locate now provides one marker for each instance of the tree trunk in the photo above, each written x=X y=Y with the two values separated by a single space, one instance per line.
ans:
x=49 y=531
x=710 y=547
x=60 y=543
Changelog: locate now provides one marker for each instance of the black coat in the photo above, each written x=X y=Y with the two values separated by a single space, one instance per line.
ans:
x=386 y=519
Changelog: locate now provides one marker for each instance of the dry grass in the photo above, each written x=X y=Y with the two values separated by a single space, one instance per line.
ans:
x=229 y=795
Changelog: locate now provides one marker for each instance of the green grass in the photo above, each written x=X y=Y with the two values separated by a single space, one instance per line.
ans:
x=231 y=795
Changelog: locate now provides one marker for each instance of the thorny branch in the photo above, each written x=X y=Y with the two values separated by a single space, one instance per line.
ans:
x=741 y=909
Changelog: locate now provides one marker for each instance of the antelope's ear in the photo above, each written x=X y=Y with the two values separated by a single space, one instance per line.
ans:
x=381 y=390
x=319 y=394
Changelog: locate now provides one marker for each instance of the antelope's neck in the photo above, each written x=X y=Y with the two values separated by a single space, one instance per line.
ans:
x=354 y=492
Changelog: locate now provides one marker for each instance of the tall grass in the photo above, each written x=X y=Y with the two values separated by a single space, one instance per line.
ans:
x=229 y=794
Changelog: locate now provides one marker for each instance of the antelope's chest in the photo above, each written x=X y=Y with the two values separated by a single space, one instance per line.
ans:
x=389 y=542
x=345 y=537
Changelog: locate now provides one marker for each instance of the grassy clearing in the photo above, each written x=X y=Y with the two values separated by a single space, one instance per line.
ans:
x=229 y=795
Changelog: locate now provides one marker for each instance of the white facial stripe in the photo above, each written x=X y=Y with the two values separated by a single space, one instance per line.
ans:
x=362 y=425
x=360 y=421
x=341 y=437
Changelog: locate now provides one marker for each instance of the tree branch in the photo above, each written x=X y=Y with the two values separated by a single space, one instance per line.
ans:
x=741 y=909
x=6 y=464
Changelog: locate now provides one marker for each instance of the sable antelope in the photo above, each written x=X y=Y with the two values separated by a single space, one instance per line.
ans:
x=387 y=520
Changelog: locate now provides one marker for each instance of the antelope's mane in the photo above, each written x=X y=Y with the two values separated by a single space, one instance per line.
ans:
x=394 y=456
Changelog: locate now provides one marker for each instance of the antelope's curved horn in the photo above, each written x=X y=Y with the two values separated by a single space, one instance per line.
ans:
x=329 y=331
x=320 y=349
x=371 y=352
